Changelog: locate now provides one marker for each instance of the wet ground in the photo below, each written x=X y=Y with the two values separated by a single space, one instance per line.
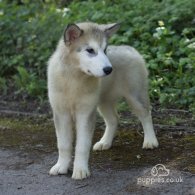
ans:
x=28 y=150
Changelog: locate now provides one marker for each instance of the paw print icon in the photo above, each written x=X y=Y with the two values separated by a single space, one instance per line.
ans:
x=160 y=170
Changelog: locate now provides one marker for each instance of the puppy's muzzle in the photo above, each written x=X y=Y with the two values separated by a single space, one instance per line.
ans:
x=107 y=70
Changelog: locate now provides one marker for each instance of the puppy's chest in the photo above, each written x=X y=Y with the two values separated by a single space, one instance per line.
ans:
x=70 y=93
x=77 y=93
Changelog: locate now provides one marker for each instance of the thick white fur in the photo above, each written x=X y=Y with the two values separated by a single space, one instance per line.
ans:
x=94 y=63
x=76 y=91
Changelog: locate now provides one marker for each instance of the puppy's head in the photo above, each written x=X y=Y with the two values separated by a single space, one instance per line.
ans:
x=87 y=42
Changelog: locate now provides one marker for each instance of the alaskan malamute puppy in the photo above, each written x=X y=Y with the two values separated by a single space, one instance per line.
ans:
x=84 y=73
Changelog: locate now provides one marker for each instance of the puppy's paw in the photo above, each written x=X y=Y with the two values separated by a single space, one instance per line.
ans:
x=80 y=173
x=101 y=145
x=150 y=143
x=58 y=169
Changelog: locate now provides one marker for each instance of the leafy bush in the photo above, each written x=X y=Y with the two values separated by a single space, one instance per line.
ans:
x=163 y=31
x=29 y=82
x=27 y=39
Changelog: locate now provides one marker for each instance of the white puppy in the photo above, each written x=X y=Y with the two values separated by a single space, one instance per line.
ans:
x=84 y=73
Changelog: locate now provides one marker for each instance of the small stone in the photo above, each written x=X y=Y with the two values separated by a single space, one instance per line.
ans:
x=138 y=156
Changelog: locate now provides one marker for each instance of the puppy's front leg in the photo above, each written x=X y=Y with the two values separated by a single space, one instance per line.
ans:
x=85 y=127
x=63 y=126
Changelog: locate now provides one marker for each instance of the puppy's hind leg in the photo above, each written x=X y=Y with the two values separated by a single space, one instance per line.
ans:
x=63 y=126
x=150 y=140
x=107 y=110
x=140 y=107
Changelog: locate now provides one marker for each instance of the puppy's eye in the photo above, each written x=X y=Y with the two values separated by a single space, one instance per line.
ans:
x=90 y=50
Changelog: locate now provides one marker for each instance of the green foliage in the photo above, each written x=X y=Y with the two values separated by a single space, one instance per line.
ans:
x=3 y=85
x=163 y=31
x=173 y=66
x=28 y=38
x=28 y=82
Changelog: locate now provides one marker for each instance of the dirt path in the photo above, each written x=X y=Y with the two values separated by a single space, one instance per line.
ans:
x=28 y=150
x=21 y=174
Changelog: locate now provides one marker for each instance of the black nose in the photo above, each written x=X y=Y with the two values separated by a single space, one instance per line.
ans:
x=107 y=70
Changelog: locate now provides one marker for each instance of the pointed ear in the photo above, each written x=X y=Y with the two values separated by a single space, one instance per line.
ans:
x=71 y=33
x=110 y=29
